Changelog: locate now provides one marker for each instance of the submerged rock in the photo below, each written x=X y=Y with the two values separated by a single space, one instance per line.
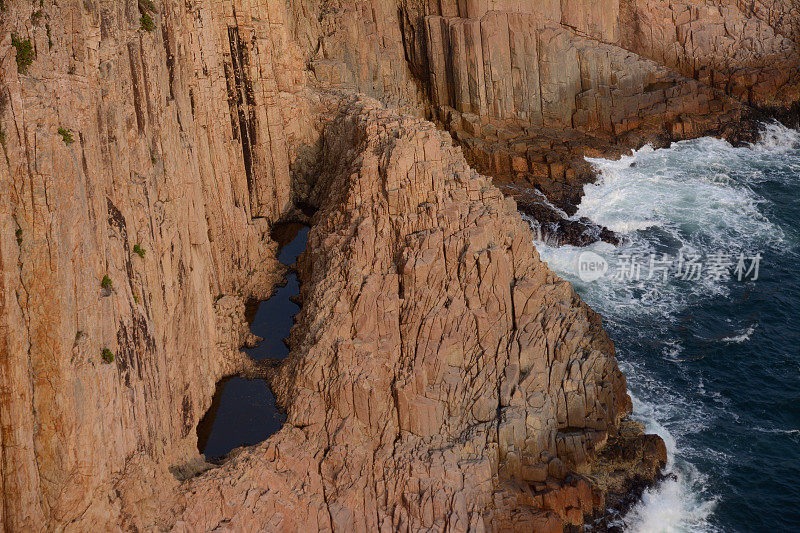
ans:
x=553 y=226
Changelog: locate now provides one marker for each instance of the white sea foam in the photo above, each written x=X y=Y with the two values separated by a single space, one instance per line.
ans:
x=685 y=190
x=775 y=137
x=742 y=337
x=670 y=507
x=794 y=432
x=667 y=201
x=679 y=502
x=672 y=351
x=692 y=198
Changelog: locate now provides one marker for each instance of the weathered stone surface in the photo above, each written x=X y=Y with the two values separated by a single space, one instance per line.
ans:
x=598 y=19
x=615 y=74
x=782 y=15
x=180 y=146
x=440 y=376
x=435 y=356
x=729 y=44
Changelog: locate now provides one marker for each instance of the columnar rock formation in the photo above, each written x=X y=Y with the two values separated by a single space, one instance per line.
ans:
x=180 y=148
x=613 y=74
x=440 y=375
x=452 y=378
x=717 y=43
x=544 y=62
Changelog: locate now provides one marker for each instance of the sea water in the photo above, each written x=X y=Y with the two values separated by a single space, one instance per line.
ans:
x=712 y=356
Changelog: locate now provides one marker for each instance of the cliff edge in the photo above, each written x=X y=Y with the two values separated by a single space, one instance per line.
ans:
x=440 y=375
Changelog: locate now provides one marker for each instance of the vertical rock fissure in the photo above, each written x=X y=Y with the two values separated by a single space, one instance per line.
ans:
x=136 y=86
x=240 y=100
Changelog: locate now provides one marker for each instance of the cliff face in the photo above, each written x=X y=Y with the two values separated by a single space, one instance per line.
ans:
x=435 y=358
x=530 y=88
x=180 y=147
x=751 y=57
x=440 y=375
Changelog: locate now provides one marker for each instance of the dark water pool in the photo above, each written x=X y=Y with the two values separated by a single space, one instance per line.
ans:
x=243 y=412
x=273 y=319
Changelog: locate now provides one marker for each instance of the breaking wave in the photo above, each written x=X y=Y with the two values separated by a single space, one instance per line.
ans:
x=702 y=198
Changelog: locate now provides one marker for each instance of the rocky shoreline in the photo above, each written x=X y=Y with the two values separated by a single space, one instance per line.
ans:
x=440 y=376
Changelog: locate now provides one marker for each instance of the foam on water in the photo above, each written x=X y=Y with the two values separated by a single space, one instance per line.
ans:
x=777 y=138
x=742 y=337
x=680 y=502
x=695 y=197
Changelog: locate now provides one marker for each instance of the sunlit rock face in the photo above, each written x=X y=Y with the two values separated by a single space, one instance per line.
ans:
x=440 y=375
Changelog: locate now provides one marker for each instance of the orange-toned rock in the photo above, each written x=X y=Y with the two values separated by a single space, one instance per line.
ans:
x=617 y=73
x=179 y=146
x=441 y=376
x=429 y=329
x=743 y=48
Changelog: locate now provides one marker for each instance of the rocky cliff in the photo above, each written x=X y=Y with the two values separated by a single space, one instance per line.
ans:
x=440 y=376
x=530 y=88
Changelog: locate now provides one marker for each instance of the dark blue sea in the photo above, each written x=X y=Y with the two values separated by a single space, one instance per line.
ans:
x=712 y=354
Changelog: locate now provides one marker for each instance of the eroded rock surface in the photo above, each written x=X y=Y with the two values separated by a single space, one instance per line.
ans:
x=743 y=48
x=607 y=76
x=440 y=375
x=179 y=147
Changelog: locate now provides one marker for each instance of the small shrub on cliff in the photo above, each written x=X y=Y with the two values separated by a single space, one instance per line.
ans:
x=19 y=236
x=106 y=283
x=66 y=135
x=147 y=5
x=25 y=53
x=108 y=356
x=78 y=336
x=138 y=250
x=147 y=23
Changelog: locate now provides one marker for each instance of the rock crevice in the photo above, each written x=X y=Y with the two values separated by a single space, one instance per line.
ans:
x=435 y=360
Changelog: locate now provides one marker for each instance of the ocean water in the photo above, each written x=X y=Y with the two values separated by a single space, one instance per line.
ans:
x=712 y=355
